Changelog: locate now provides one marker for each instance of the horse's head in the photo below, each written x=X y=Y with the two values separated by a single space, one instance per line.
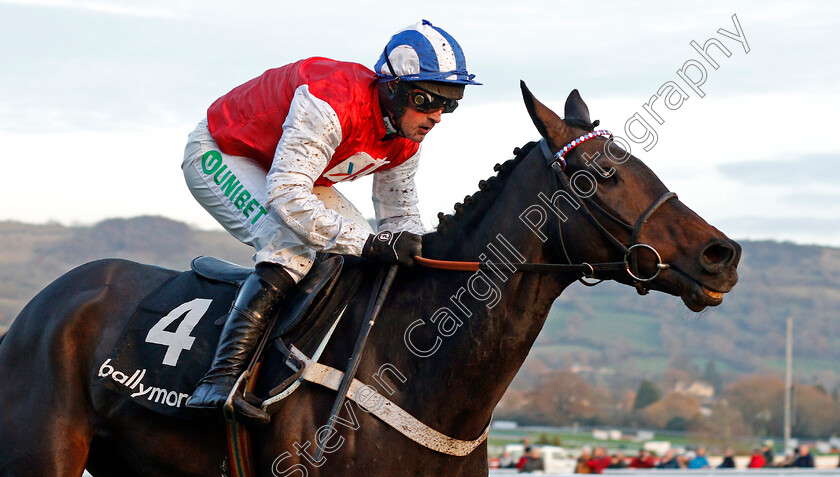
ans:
x=623 y=213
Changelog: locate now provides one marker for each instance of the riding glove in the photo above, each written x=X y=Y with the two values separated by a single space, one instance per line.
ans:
x=393 y=247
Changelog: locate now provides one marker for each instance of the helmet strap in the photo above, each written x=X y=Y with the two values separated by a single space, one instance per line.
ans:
x=393 y=103
x=389 y=127
x=397 y=79
x=396 y=103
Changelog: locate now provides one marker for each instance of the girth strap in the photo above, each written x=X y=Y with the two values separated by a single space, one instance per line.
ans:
x=387 y=411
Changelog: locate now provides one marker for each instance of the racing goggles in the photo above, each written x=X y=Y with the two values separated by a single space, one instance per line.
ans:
x=426 y=102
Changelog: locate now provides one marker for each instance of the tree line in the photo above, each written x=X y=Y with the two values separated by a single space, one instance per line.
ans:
x=749 y=406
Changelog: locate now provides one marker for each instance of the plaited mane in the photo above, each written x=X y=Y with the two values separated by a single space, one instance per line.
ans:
x=475 y=205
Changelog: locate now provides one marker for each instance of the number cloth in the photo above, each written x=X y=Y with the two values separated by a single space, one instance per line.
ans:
x=168 y=344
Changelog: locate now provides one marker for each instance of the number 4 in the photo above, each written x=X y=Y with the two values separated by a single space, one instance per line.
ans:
x=180 y=339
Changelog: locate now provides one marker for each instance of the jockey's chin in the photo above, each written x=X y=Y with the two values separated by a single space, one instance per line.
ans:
x=416 y=124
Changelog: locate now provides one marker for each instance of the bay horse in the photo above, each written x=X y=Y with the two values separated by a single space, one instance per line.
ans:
x=452 y=340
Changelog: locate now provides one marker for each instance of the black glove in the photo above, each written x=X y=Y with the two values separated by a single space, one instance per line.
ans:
x=391 y=247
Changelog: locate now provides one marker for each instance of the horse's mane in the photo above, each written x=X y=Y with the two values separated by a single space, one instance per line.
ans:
x=475 y=205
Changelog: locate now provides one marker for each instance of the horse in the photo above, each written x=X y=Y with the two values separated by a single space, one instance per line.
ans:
x=449 y=342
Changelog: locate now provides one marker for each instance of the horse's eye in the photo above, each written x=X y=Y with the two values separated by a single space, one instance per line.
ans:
x=606 y=176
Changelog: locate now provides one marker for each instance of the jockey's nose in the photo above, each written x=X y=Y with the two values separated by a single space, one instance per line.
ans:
x=435 y=115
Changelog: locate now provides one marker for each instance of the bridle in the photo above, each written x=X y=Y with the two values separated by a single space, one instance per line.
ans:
x=557 y=163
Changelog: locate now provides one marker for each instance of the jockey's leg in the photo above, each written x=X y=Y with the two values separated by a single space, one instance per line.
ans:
x=233 y=190
x=258 y=299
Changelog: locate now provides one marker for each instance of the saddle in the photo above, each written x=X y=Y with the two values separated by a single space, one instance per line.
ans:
x=315 y=285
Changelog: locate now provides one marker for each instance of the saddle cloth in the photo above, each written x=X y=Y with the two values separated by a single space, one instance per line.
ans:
x=170 y=340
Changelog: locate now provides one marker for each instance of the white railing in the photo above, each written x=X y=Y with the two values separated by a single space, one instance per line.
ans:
x=768 y=472
x=771 y=472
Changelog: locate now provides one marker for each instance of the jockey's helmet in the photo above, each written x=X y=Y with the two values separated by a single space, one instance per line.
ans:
x=424 y=65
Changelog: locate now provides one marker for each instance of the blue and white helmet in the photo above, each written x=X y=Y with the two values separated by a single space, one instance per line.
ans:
x=424 y=52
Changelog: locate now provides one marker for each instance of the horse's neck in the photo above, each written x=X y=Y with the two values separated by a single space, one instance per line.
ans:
x=502 y=310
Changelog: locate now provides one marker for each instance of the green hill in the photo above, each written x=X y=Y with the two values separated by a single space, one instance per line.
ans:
x=31 y=256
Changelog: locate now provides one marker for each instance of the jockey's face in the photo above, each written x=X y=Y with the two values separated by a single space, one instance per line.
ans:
x=415 y=124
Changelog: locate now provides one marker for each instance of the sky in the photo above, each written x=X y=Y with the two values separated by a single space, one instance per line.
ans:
x=97 y=97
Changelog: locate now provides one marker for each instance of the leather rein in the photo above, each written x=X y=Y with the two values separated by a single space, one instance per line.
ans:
x=584 y=270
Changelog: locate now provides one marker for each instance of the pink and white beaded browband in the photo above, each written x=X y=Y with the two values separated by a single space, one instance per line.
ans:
x=577 y=142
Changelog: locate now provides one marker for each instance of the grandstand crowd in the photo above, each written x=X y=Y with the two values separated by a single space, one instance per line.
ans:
x=595 y=461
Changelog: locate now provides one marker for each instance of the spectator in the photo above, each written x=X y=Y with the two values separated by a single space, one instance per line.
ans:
x=788 y=460
x=728 y=459
x=617 y=461
x=533 y=461
x=699 y=461
x=524 y=459
x=685 y=459
x=585 y=455
x=506 y=460
x=642 y=461
x=669 y=461
x=805 y=459
x=768 y=455
x=599 y=461
x=526 y=445
x=757 y=459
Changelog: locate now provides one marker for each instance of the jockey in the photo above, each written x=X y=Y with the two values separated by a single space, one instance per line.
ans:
x=264 y=160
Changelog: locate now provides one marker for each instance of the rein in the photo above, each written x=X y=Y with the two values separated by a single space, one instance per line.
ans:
x=585 y=270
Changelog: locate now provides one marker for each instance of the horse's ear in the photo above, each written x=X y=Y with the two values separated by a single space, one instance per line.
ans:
x=576 y=109
x=548 y=123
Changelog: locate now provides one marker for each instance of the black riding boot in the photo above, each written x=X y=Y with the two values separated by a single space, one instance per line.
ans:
x=257 y=300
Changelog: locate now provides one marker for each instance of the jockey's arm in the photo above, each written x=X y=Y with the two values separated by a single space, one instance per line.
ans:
x=395 y=198
x=311 y=133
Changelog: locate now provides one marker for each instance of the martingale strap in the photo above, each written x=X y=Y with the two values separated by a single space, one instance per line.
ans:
x=389 y=412
x=239 y=450
x=238 y=439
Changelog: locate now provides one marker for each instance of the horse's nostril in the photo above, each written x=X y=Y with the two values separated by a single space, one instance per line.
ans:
x=717 y=255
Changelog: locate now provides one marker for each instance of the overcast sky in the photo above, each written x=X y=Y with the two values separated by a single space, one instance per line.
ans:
x=97 y=97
